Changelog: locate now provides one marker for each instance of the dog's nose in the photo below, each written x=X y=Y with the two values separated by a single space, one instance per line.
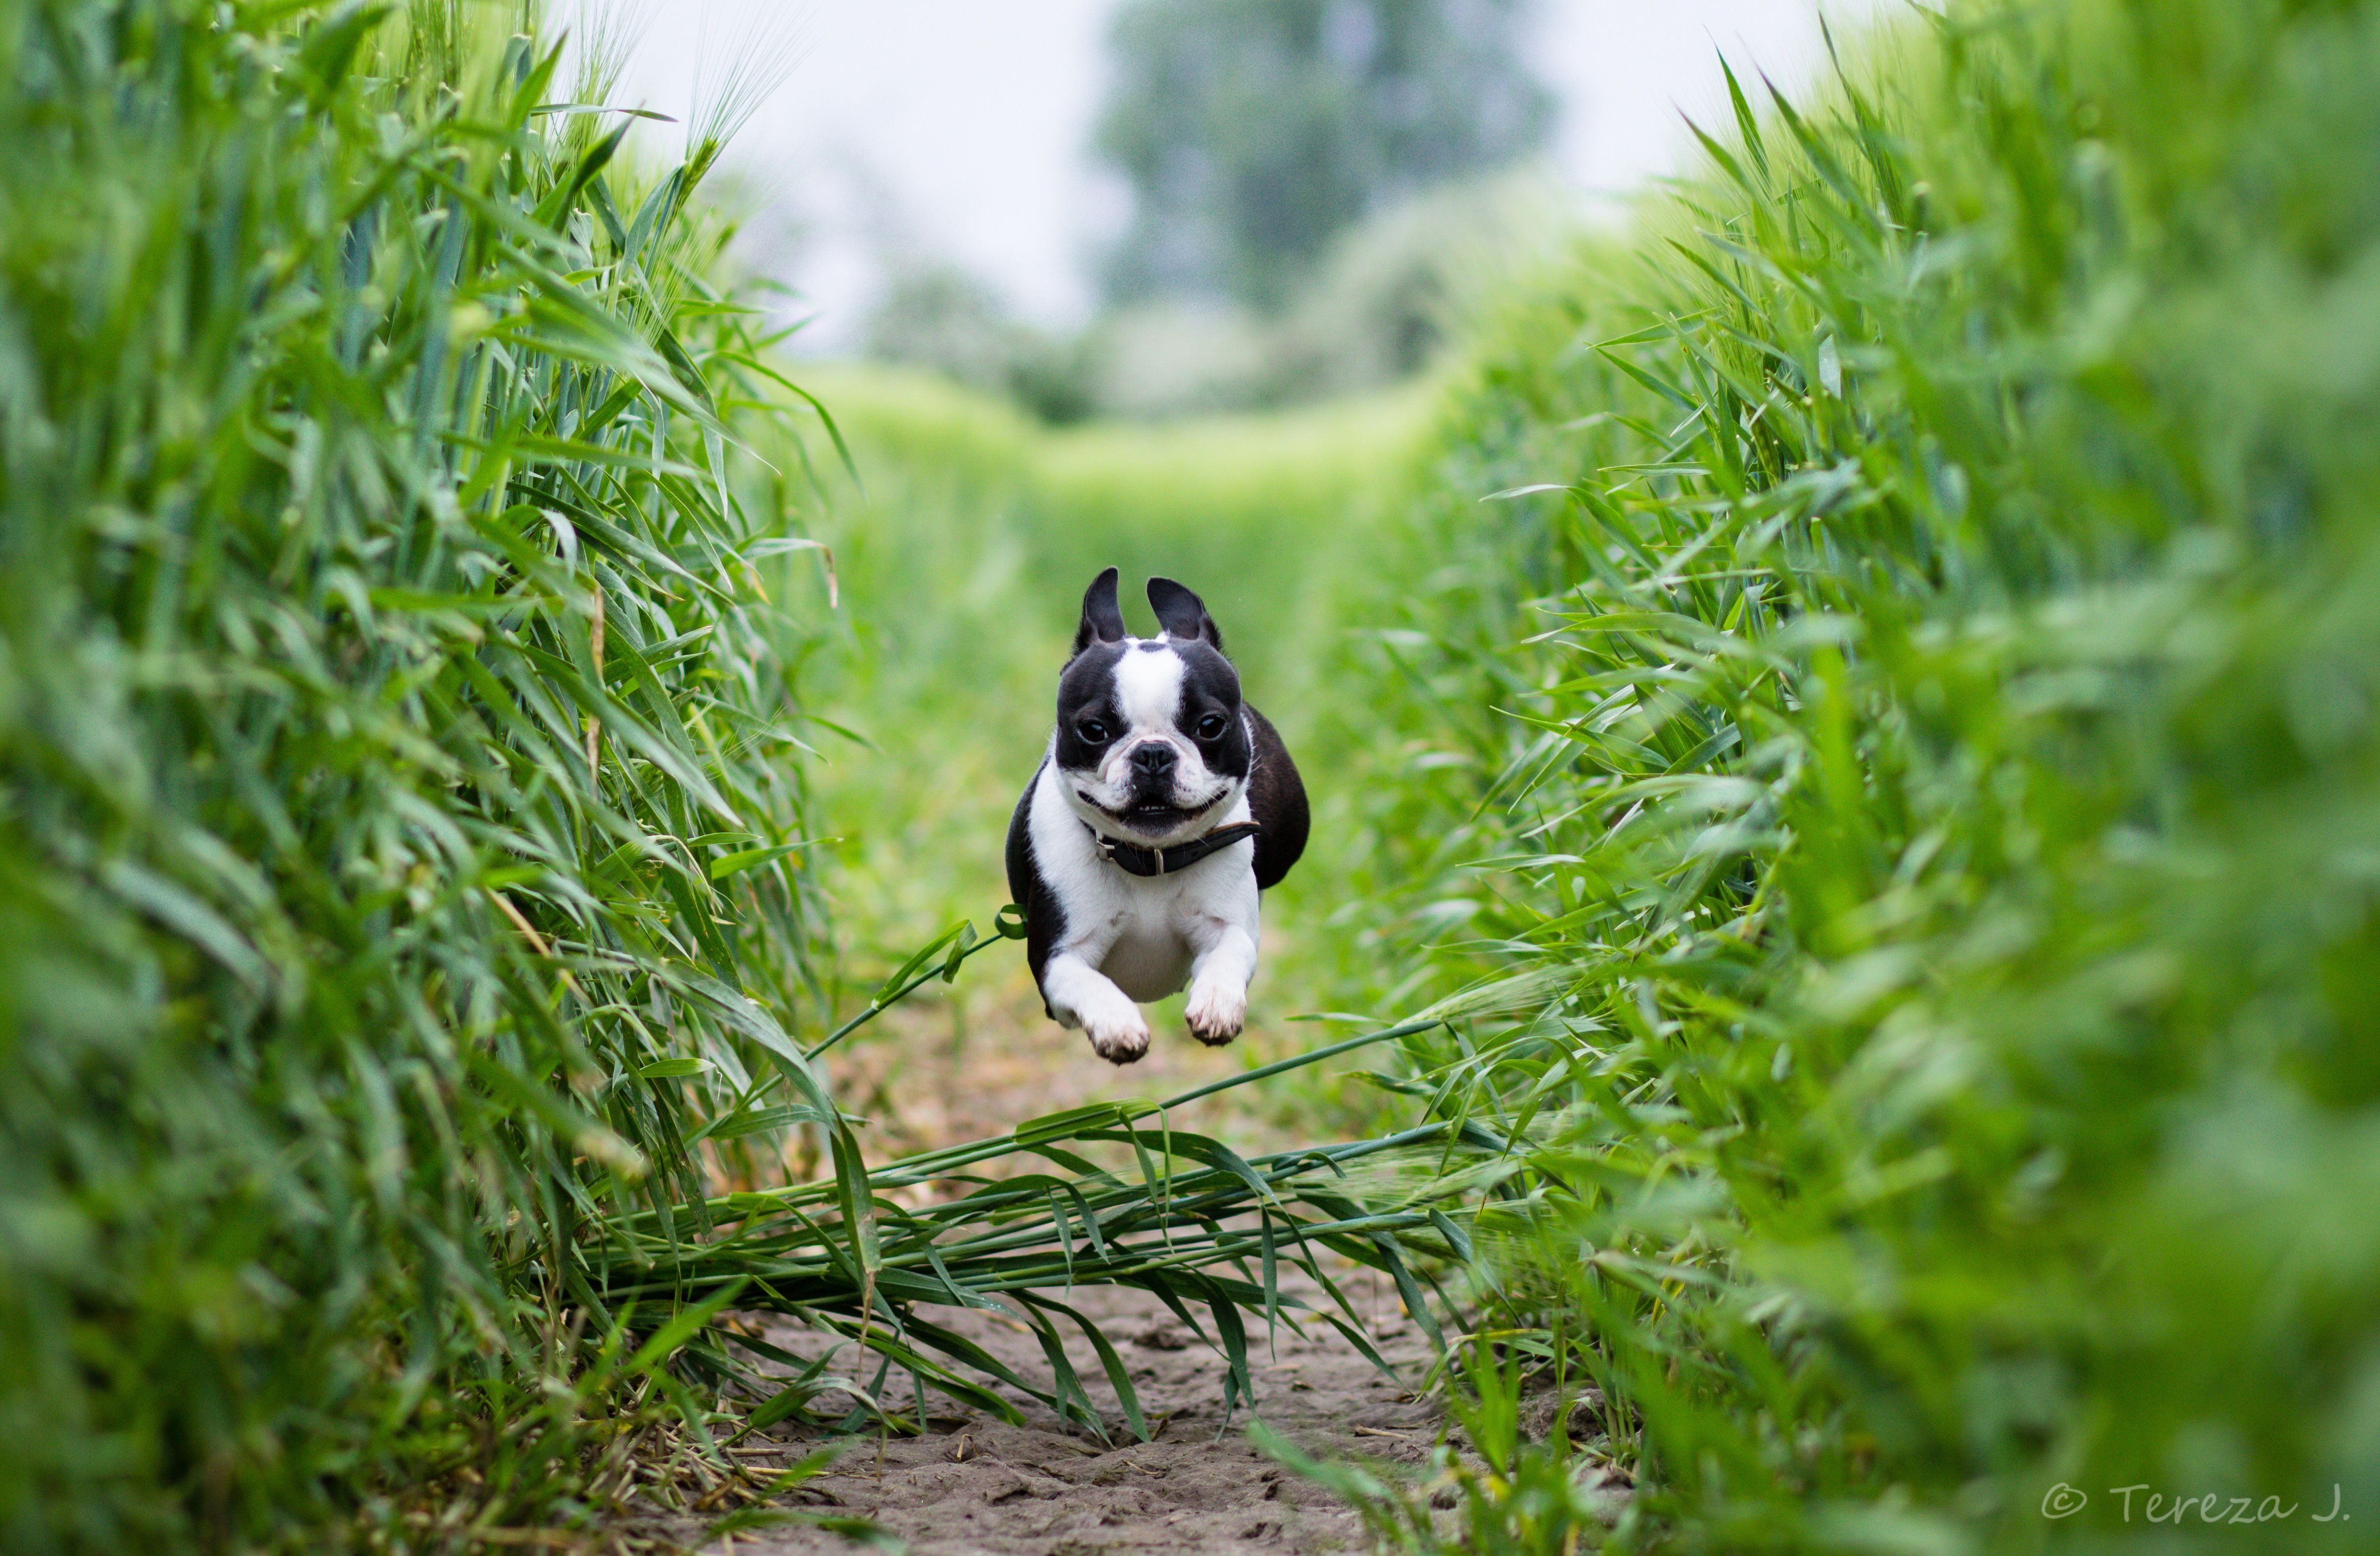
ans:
x=1156 y=758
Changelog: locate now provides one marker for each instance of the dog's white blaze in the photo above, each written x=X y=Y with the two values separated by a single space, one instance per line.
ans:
x=1148 y=695
x=1149 y=682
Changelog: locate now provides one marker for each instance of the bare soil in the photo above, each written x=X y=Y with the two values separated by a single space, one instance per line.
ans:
x=966 y=1062
x=977 y=1484
x=934 y=1073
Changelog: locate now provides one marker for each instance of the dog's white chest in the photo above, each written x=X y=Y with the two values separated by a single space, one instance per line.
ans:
x=1149 y=961
x=1142 y=933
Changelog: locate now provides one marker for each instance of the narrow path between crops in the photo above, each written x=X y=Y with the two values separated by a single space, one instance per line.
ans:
x=939 y=1070
x=976 y=1484
x=951 y=1065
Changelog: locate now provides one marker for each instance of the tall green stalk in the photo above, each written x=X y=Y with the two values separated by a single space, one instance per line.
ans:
x=401 y=841
x=1898 y=654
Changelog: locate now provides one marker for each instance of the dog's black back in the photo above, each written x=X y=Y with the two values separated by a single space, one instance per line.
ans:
x=1276 y=803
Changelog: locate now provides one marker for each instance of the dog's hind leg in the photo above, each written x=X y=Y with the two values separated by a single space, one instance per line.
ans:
x=1080 y=995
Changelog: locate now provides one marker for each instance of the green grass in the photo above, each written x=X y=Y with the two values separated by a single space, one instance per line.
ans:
x=397 y=803
x=1181 y=1215
x=1892 y=668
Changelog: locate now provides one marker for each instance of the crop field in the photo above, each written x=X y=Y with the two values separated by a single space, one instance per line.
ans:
x=1841 y=942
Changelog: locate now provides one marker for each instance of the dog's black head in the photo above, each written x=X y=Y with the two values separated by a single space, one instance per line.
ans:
x=1151 y=740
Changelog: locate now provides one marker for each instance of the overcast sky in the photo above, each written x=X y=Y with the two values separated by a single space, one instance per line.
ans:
x=960 y=127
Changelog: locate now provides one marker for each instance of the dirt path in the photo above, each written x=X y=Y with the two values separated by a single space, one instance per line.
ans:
x=952 y=1065
x=976 y=1484
x=947 y=1069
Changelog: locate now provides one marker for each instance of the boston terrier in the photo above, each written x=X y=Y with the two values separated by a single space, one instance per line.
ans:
x=1163 y=807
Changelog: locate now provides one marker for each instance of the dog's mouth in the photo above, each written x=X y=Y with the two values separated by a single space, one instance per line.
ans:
x=1148 y=815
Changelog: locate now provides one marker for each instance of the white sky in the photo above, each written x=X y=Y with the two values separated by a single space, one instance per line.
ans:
x=960 y=128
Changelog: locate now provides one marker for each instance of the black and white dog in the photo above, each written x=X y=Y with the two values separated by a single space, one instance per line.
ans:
x=1163 y=806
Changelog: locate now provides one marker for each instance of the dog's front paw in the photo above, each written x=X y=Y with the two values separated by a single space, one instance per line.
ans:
x=1217 y=1011
x=1118 y=1036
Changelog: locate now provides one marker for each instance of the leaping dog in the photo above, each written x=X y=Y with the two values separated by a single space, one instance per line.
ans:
x=1164 y=806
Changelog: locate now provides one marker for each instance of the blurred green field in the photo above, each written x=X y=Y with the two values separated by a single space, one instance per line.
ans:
x=962 y=558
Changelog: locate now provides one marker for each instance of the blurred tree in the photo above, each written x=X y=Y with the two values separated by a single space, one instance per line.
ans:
x=936 y=315
x=1253 y=131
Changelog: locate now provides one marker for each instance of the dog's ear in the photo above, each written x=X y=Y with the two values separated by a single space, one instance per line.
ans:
x=1183 y=615
x=1102 y=617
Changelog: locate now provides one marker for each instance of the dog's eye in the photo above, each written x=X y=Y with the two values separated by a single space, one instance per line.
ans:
x=1093 y=732
x=1211 y=727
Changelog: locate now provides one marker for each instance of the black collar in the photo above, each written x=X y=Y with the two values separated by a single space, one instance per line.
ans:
x=1133 y=859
